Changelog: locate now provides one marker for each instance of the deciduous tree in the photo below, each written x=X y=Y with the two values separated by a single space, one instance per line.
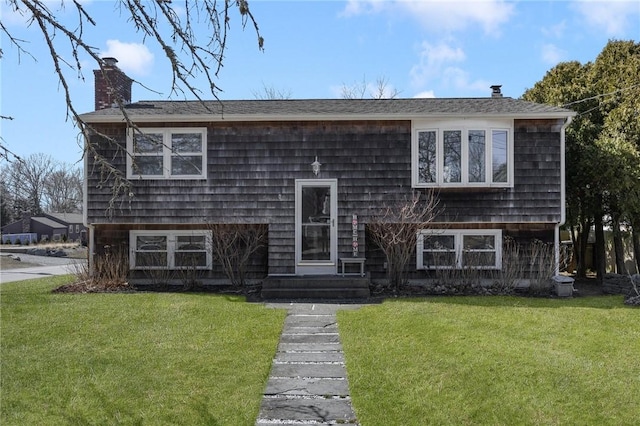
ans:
x=394 y=228
x=192 y=34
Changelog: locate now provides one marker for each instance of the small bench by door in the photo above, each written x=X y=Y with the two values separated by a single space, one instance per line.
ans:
x=353 y=260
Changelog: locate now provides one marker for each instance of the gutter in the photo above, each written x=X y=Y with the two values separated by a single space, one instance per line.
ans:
x=563 y=192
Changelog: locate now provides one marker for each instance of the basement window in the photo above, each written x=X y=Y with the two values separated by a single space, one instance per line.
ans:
x=458 y=249
x=167 y=153
x=170 y=249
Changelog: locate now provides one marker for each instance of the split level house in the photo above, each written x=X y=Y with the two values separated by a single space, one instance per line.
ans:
x=314 y=171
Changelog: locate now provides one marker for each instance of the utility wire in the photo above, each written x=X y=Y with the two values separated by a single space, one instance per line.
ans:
x=601 y=95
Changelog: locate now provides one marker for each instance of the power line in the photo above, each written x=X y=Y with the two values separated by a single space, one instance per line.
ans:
x=601 y=95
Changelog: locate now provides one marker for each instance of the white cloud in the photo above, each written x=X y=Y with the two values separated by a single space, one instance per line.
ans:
x=461 y=80
x=555 y=31
x=612 y=17
x=433 y=59
x=425 y=94
x=552 y=54
x=133 y=58
x=441 y=15
x=361 y=7
x=440 y=63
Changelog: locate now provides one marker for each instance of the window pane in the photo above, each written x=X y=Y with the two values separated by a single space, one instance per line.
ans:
x=147 y=143
x=188 y=242
x=186 y=165
x=499 y=154
x=186 y=142
x=475 y=258
x=452 y=156
x=151 y=258
x=439 y=259
x=147 y=165
x=186 y=259
x=476 y=156
x=427 y=156
x=479 y=242
x=151 y=242
x=439 y=242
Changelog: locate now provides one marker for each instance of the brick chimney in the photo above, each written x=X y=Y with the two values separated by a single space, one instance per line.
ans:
x=495 y=91
x=111 y=85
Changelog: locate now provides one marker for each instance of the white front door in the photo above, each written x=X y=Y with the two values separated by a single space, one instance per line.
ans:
x=316 y=230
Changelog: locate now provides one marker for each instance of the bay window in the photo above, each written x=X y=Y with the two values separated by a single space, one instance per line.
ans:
x=462 y=154
x=168 y=153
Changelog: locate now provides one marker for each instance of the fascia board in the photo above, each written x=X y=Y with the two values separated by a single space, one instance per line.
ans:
x=176 y=118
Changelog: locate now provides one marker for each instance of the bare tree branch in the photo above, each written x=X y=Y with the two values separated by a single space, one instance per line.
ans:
x=394 y=228
x=188 y=56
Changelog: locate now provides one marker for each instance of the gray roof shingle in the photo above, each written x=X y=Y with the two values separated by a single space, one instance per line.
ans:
x=325 y=109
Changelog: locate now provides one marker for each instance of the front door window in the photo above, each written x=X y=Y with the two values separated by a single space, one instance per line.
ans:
x=316 y=222
x=316 y=234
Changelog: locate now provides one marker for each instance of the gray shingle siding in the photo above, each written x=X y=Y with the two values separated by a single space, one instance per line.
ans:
x=252 y=168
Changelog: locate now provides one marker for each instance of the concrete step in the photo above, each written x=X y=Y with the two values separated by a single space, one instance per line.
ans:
x=315 y=288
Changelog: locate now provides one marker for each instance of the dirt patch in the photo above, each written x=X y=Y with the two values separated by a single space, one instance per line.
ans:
x=94 y=287
x=9 y=261
x=587 y=287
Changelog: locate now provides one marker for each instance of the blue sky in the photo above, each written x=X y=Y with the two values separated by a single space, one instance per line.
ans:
x=313 y=49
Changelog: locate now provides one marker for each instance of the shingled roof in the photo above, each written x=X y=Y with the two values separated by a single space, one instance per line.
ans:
x=327 y=109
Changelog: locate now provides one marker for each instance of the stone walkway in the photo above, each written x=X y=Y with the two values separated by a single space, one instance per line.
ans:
x=308 y=381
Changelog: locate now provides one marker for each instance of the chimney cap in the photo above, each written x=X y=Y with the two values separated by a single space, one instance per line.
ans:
x=495 y=91
x=109 y=61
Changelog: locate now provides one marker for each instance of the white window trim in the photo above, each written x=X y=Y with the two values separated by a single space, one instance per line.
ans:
x=459 y=247
x=171 y=247
x=166 y=152
x=463 y=125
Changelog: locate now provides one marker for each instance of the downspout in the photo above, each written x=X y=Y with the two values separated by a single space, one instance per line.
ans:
x=563 y=194
x=85 y=222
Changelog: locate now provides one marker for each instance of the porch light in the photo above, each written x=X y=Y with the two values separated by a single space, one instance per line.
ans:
x=315 y=166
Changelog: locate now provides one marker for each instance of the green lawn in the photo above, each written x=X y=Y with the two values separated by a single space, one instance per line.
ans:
x=494 y=361
x=141 y=358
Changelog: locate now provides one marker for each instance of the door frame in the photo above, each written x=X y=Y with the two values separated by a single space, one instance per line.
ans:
x=317 y=267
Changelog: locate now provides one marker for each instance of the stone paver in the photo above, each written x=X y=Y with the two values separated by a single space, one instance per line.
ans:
x=308 y=381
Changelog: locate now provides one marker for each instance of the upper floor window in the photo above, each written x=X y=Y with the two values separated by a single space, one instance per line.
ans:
x=463 y=154
x=167 y=153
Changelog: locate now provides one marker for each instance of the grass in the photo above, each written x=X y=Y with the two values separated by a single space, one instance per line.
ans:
x=494 y=361
x=138 y=358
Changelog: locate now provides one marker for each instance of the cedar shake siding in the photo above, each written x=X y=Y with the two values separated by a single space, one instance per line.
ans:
x=252 y=167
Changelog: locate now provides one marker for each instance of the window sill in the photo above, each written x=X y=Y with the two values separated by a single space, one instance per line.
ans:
x=446 y=188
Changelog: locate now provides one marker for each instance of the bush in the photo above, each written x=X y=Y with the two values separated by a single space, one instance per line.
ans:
x=110 y=273
x=533 y=263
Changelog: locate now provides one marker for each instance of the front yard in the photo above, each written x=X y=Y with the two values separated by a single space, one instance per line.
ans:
x=494 y=361
x=188 y=358
x=139 y=358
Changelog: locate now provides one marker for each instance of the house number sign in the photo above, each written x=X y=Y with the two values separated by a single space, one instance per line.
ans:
x=354 y=228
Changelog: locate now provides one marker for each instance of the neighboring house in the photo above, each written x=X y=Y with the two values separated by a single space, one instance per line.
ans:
x=304 y=168
x=49 y=227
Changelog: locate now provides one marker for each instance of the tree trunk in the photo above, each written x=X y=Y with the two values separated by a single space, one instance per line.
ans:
x=600 y=253
x=618 y=245
x=576 y=249
x=583 y=241
x=635 y=237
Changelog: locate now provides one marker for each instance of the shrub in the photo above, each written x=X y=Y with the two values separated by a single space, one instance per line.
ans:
x=110 y=273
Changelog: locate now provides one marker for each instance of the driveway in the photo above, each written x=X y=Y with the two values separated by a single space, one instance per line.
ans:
x=46 y=266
